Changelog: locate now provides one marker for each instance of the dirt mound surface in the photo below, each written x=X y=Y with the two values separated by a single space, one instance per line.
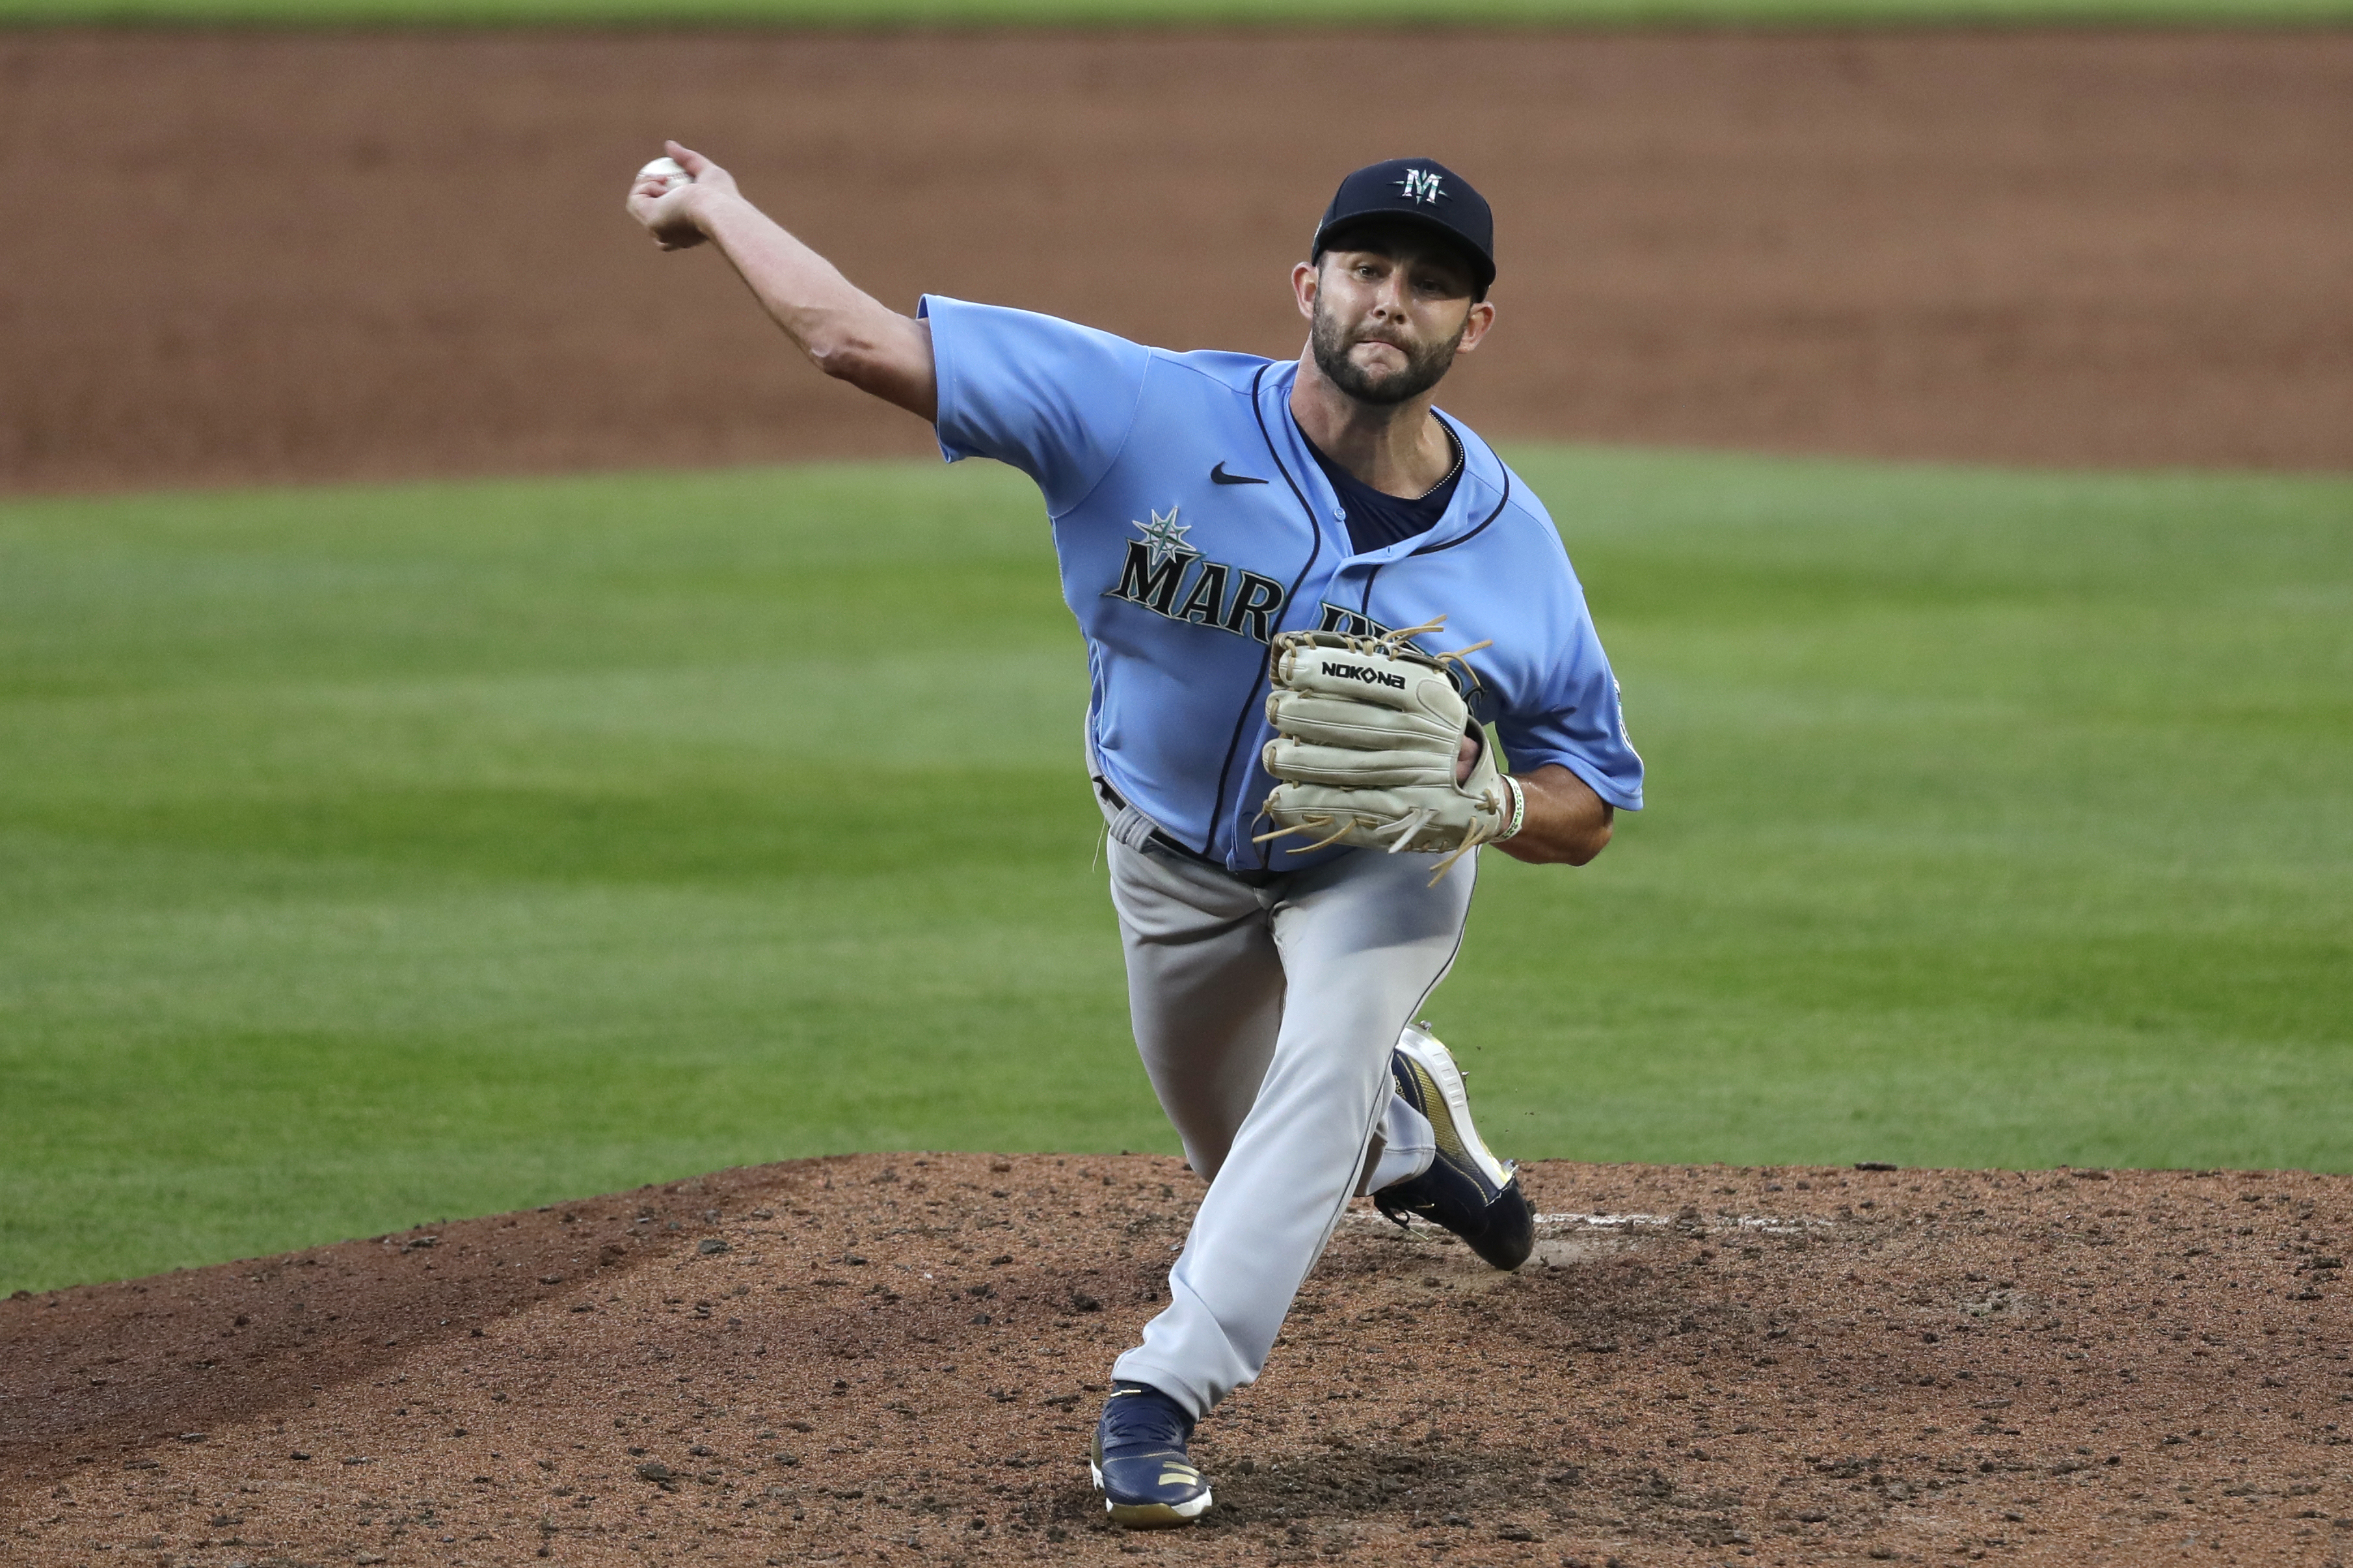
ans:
x=899 y=1359
x=318 y=256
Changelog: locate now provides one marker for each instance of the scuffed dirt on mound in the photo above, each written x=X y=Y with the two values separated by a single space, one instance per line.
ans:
x=897 y=1359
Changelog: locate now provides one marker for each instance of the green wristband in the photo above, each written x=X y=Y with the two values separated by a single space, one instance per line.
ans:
x=1519 y=807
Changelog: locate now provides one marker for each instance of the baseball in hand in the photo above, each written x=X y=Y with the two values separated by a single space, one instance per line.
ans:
x=669 y=170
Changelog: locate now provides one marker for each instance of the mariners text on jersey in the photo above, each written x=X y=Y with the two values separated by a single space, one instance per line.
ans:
x=1192 y=522
x=1233 y=599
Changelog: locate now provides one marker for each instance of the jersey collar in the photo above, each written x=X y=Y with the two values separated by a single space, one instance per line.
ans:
x=1474 y=503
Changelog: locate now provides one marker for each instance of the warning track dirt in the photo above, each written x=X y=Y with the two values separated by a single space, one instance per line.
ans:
x=325 y=257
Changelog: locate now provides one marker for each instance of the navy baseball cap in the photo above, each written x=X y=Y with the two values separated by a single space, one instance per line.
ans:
x=1416 y=191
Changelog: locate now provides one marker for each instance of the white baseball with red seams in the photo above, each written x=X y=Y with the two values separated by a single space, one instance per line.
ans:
x=669 y=170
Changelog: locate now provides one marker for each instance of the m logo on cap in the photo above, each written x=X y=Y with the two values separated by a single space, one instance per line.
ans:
x=1420 y=185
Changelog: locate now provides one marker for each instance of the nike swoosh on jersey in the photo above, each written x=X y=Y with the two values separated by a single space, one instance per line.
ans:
x=1218 y=476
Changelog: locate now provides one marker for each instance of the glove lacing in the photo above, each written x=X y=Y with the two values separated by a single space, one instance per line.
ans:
x=1395 y=645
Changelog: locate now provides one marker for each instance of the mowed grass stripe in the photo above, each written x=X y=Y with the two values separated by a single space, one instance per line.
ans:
x=381 y=855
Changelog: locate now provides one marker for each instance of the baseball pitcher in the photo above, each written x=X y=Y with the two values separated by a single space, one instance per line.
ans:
x=1313 y=605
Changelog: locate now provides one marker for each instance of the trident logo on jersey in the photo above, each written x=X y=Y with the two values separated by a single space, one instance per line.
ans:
x=1421 y=187
x=1164 y=537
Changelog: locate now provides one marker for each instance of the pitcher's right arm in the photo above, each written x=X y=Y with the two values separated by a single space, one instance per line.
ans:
x=845 y=331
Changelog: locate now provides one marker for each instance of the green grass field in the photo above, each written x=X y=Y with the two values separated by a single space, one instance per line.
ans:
x=1406 y=13
x=372 y=857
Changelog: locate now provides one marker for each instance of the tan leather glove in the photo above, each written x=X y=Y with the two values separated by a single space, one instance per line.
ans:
x=1368 y=733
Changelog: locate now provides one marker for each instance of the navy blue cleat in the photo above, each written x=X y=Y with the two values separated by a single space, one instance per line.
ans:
x=1466 y=1189
x=1139 y=1462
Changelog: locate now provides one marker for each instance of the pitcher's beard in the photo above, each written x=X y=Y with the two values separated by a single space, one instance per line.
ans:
x=1424 y=368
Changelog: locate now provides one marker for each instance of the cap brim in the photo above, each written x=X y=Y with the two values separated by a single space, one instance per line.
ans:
x=1481 y=267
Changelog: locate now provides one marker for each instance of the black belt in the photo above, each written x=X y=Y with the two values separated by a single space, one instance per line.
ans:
x=1162 y=842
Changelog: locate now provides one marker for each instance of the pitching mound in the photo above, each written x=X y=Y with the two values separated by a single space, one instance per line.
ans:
x=897 y=1359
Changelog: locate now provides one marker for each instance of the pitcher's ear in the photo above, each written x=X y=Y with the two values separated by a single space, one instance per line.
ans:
x=1306 y=278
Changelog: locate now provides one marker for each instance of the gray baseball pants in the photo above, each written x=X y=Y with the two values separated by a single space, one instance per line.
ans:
x=1265 y=1016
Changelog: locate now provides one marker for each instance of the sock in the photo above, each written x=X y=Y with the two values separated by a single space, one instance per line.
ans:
x=1408 y=1144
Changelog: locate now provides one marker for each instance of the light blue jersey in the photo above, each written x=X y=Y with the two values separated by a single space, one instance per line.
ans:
x=1192 y=524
